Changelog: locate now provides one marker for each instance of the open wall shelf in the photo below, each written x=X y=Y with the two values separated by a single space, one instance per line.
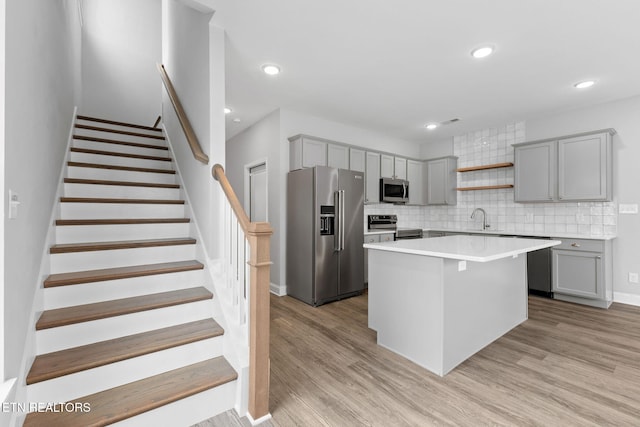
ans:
x=485 y=187
x=483 y=167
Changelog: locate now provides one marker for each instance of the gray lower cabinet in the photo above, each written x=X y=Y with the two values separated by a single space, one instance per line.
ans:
x=442 y=181
x=374 y=238
x=569 y=168
x=582 y=272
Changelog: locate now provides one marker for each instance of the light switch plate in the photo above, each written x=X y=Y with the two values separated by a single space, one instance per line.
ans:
x=462 y=265
x=628 y=208
x=633 y=277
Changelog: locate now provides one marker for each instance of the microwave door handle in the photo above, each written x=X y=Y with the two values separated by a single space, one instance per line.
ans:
x=404 y=190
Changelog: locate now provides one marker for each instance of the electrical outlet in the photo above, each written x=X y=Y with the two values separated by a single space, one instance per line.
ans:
x=633 y=277
x=528 y=217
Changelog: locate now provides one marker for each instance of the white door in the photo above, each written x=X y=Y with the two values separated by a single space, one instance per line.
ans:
x=258 y=193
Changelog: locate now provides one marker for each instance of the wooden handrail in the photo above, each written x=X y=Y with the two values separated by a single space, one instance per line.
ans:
x=258 y=235
x=192 y=139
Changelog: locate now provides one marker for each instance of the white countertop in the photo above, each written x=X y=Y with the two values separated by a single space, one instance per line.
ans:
x=465 y=248
x=525 y=233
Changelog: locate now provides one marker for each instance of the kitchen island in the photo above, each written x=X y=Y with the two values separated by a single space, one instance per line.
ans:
x=438 y=301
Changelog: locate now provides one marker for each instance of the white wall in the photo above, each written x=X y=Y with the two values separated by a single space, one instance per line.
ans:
x=432 y=150
x=193 y=55
x=623 y=117
x=121 y=44
x=41 y=77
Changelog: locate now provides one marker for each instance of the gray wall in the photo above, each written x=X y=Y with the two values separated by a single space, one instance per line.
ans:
x=257 y=143
x=623 y=116
x=41 y=80
x=121 y=44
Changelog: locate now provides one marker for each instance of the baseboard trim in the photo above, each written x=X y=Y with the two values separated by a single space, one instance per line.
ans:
x=278 y=290
x=625 y=298
x=259 y=420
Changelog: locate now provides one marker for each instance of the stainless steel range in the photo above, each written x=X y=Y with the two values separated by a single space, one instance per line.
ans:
x=389 y=222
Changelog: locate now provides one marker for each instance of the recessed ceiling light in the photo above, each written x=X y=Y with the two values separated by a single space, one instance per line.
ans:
x=271 y=69
x=431 y=126
x=585 y=84
x=236 y=120
x=482 y=52
x=227 y=110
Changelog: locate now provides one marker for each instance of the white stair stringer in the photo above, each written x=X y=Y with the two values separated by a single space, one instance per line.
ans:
x=185 y=411
x=73 y=386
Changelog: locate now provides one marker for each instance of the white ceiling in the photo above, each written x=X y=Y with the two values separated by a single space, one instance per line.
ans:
x=392 y=66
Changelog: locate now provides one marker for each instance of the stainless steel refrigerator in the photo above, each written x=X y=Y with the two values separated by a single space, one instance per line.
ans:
x=325 y=258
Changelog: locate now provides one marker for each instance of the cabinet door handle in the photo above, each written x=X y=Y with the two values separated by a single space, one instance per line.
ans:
x=575 y=245
x=598 y=257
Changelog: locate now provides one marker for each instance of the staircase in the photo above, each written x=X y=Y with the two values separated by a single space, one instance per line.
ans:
x=128 y=329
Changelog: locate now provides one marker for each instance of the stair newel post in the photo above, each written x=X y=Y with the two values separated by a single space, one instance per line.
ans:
x=259 y=319
x=258 y=234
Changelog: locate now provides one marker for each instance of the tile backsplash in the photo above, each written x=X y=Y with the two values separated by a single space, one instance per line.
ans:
x=494 y=145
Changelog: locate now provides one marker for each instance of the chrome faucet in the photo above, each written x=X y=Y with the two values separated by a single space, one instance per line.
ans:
x=484 y=217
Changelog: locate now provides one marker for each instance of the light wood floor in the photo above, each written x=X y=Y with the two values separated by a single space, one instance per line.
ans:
x=568 y=365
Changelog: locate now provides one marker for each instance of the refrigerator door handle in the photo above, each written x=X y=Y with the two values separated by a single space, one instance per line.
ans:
x=341 y=197
x=338 y=219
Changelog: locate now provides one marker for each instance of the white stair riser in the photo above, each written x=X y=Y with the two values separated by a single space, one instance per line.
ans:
x=117 y=210
x=188 y=411
x=73 y=386
x=120 y=175
x=87 y=293
x=120 y=137
x=105 y=233
x=80 y=261
x=121 y=191
x=119 y=148
x=119 y=127
x=63 y=337
x=120 y=161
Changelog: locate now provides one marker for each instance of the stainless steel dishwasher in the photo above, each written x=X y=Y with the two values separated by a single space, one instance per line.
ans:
x=539 y=269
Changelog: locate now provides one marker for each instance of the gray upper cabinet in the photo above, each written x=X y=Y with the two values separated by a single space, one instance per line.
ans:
x=399 y=168
x=535 y=172
x=441 y=181
x=571 y=168
x=372 y=178
x=584 y=168
x=357 y=160
x=415 y=176
x=306 y=152
x=337 y=156
x=386 y=166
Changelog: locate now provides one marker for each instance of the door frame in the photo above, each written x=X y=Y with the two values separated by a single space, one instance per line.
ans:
x=247 y=184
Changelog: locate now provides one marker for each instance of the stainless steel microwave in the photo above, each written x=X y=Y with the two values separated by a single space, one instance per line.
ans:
x=394 y=190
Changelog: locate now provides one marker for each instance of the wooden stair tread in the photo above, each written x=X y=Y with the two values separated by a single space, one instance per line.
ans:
x=120 y=132
x=101 y=310
x=122 y=244
x=69 y=361
x=119 y=183
x=119 y=403
x=117 y=123
x=121 y=168
x=121 y=221
x=114 y=141
x=104 y=274
x=118 y=154
x=121 y=200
